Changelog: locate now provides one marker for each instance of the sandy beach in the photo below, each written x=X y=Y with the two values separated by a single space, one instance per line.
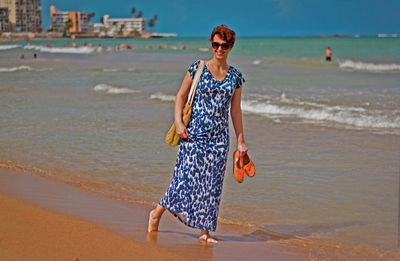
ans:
x=47 y=220
x=32 y=233
x=43 y=219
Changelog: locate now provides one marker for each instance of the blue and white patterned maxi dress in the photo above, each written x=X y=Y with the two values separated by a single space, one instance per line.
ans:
x=196 y=187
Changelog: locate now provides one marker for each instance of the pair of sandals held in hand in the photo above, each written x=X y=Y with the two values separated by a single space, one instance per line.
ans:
x=247 y=167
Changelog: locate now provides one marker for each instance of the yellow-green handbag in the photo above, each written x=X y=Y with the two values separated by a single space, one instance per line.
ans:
x=172 y=138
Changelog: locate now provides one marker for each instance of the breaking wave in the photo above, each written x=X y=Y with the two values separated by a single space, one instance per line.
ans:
x=109 y=89
x=76 y=50
x=321 y=113
x=7 y=47
x=162 y=97
x=19 y=68
x=286 y=109
x=119 y=69
x=372 y=67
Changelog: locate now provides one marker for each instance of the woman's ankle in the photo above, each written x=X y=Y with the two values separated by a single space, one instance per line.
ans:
x=157 y=212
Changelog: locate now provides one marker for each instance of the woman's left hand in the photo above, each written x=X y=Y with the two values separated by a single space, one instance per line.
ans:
x=242 y=148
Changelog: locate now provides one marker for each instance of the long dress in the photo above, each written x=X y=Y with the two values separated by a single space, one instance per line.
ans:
x=196 y=187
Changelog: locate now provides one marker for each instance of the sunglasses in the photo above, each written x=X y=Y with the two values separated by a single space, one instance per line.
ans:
x=224 y=46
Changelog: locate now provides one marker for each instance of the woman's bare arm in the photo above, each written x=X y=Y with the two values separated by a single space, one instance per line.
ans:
x=180 y=101
x=236 y=114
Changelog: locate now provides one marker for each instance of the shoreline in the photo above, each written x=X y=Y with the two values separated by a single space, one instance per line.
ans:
x=32 y=232
x=49 y=209
x=96 y=218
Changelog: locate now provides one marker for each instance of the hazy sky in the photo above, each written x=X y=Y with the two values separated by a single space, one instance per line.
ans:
x=251 y=17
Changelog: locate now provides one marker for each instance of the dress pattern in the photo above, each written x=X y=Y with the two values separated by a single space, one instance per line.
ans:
x=196 y=187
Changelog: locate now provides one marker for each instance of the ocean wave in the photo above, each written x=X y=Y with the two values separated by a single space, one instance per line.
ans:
x=76 y=50
x=19 y=68
x=162 y=97
x=388 y=35
x=321 y=113
x=118 y=70
x=7 y=47
x=372 y=67
x=112 y=89
x=280 y=108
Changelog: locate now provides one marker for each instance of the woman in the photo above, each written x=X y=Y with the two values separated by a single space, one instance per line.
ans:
x=195 y=191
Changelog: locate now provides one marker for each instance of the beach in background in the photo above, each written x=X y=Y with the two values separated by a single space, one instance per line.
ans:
x=324 y=136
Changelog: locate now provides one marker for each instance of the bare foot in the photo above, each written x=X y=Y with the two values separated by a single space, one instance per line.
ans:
x=153 y=222
x=207 y=239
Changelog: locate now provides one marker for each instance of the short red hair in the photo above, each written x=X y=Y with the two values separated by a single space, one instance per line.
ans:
x=225 y=33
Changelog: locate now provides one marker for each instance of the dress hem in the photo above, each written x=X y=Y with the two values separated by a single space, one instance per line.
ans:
x=175 y=214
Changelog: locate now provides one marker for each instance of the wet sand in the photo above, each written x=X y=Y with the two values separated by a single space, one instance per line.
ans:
x=47 y=220
x=29 y=232
x=42 y=219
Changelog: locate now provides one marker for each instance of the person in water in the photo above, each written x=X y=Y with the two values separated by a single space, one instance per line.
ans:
x=328 y=54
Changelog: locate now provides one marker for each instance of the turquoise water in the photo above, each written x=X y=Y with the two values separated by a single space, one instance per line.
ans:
x=372 y=49
x=324 y=136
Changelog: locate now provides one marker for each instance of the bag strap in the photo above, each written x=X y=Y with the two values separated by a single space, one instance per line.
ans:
x=195 y=82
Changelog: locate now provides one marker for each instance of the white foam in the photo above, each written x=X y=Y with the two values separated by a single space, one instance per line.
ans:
x=77 y=50
x=255 y=62
x=372 y=67
x=388 y=35
x=19 y=68
x=112 y=90
x=7 y=47
x=351 y=116
x=163 y=97
x=118 y=69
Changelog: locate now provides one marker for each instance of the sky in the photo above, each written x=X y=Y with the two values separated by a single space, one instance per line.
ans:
x=249 y=18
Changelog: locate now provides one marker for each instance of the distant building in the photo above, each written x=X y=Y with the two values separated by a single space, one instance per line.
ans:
x=126 y=25
x=23 y=15
x=9 y=5
x=57 y=19
x=79 y=20
x=97 y=27
x=28 y=16
x=4 y=21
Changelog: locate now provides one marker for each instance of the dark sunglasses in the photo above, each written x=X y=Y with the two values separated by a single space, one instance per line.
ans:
x=224 y=46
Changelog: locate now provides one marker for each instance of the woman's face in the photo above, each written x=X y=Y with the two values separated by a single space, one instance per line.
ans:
x=220 y=52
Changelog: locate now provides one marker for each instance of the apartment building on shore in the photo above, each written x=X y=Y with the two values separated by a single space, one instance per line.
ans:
x=74 y=21
x=124 y=26
x=21 y=15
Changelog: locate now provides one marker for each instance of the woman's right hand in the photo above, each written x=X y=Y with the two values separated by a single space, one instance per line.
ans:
x=181 y=130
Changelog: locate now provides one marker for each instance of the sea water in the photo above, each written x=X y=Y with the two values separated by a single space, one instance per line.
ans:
x=324 y=136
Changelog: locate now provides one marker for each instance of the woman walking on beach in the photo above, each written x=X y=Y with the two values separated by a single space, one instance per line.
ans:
x=196 y=187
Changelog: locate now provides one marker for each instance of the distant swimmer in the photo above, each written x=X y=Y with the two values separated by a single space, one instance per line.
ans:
x=328 y=54
x=22 y=56
x=34 y=55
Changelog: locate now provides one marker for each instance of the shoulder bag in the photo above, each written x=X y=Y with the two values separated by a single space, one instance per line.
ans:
x=172 y=138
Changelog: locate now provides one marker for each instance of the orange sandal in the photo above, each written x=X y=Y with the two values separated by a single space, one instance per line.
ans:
x=249 y=167
x=238 y=172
